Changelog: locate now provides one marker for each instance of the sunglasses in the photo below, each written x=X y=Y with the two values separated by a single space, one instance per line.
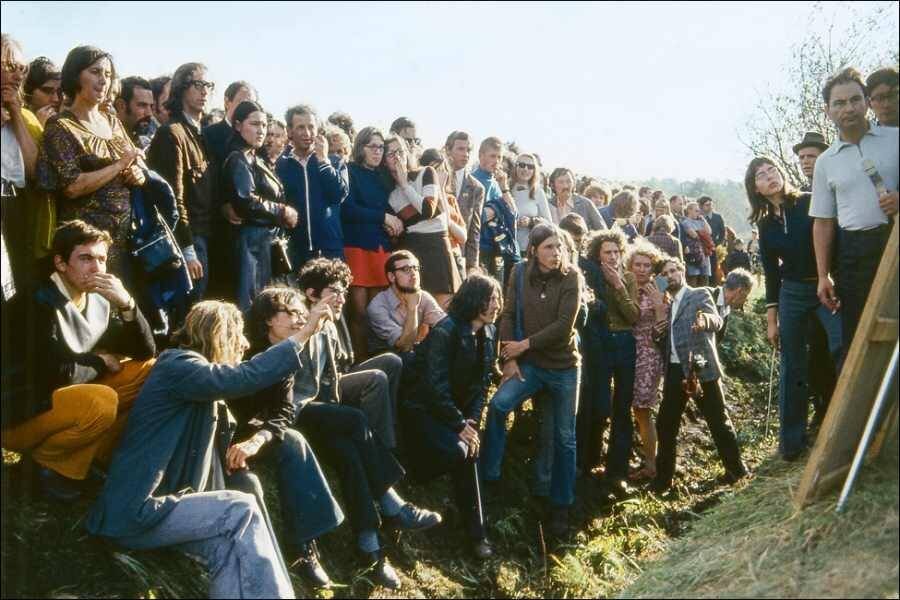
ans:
x=524 y=165
x=201 y=85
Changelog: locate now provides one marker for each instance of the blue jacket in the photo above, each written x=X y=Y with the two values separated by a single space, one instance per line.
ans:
x=362 y=214
x=169 y=444
x=493 y=198
x=319 y=207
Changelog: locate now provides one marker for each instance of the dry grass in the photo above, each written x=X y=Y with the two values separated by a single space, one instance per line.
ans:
x=757 y=545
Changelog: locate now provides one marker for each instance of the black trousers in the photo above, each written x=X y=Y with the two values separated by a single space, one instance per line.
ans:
x=859 y=255
x=712 y=407
x=341 y=436
x=435 y=449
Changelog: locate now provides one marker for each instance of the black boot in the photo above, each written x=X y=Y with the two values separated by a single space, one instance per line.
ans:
x=307 y=566
x=382 y=572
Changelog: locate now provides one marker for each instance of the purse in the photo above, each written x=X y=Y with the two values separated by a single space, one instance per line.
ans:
x=152 y=241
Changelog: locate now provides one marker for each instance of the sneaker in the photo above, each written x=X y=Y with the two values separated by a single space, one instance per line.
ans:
x=307 y=566
x=57 y=487
x=382 y=571
x=413 y=518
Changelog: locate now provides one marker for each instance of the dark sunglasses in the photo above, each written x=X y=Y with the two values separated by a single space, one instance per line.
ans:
x=523 y=165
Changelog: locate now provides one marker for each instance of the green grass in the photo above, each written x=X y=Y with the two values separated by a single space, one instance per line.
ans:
x=45 y=551
x=758 y=545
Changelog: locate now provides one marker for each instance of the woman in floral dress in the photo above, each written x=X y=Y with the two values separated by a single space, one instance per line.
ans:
x=87 y=158
x=642 y=261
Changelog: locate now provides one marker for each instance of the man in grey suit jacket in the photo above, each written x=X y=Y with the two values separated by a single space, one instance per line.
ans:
x=469 y=193
x=689 y=336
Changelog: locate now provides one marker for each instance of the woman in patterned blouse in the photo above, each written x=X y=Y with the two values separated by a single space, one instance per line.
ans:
x=87 y=158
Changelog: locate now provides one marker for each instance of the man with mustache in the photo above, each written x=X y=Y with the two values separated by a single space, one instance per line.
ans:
x=134 y=106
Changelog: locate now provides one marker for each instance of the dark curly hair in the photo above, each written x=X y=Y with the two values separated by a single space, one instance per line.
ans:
x=600 y=237
x=320 y=273
x=474 y=296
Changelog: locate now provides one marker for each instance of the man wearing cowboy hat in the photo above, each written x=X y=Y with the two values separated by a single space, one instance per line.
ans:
x=807 y=151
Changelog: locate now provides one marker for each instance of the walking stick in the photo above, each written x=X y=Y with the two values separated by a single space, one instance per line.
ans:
x=478 y=495
x=771 y=377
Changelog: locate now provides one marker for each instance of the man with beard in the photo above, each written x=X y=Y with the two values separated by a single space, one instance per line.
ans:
x=134 y=106
x=688 y=340
x=402 y=315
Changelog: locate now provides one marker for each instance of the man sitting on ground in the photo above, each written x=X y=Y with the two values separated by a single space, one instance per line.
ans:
x=94 y=350
x=402 y=315
x=371 y=385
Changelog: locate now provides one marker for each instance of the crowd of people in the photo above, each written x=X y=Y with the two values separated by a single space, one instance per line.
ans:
x=175 y=310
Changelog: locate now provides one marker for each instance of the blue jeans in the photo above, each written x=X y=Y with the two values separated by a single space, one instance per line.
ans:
x=253 y=247
x=620 y=361
x=201 y=247
x=797 y=303
x=228 y=530
x=561 y=386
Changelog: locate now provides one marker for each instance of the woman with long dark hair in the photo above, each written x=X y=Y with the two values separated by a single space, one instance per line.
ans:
x=781 y=214
x=257 y=197
x=442 y=401
x=368 y=226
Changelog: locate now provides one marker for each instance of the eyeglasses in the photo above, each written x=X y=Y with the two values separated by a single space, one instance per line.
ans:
x=293 y=312
x=394 y=153
x=413 y=141
x=765 y=174
x=15 y=68
x=337 y=291
x=375 y=147
x=886 y=96
x=201 y=85
x=524 y=165
x=408 y=269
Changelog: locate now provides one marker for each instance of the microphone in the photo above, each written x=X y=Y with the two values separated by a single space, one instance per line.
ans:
x=871 y=170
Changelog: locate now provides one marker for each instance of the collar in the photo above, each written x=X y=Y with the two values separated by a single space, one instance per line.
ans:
x=678 y=297
x=393 y=299
x=721 y=300
x=482 y=173
x=840 y=144
x=61 y=285
x=570 y=203
x=302 y=161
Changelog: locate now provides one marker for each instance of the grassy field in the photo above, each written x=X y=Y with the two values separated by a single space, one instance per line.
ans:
x=45 y=552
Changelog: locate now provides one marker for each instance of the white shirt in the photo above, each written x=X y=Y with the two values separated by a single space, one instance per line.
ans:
x=676 y=302
x=13 y=162
x=460 y=176
x=724 y=309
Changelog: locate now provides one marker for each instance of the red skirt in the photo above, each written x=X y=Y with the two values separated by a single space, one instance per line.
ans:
x=367 y=266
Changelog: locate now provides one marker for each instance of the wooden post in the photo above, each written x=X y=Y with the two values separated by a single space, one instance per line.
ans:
x=862 y=373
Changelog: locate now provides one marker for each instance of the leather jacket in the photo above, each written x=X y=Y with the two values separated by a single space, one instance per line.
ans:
x=450 y=372
x=253 y=190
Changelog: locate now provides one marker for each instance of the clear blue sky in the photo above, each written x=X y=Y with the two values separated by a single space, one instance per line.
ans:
x=629 y=90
